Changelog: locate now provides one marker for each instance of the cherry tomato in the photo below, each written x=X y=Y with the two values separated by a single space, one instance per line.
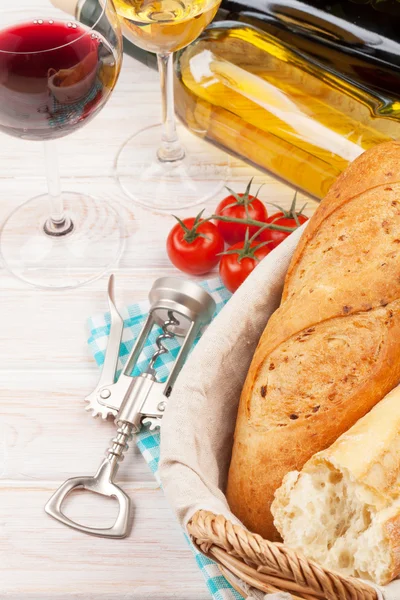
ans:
x=277 y=237
x=239 y=261
x=290 y=218
x=240 y=206
x=194 y=245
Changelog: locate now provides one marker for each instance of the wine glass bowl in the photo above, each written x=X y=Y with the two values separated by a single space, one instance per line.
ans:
x=55 y=76
x=162 y=26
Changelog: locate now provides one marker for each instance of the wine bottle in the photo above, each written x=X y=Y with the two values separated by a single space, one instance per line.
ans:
x=299 y=98
x=359 y=38
x=249 y=92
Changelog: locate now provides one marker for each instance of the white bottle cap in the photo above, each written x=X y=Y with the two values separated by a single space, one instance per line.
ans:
x=68 y=6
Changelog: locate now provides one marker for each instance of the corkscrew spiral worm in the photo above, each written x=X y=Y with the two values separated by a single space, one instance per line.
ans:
x=165 y=335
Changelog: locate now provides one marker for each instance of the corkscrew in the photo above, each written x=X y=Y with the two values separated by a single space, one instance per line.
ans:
x=180 y=308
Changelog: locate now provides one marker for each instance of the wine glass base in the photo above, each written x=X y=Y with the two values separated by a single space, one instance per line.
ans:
x=84 y=254
x=167 y=186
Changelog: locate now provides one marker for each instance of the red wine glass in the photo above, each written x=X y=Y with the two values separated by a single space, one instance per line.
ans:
x=55 y=76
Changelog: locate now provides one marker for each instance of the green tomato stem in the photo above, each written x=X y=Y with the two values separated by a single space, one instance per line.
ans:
x=252 y=222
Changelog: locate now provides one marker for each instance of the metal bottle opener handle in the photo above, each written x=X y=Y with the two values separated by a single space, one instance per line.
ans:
x=181 y=309
x=101 y=483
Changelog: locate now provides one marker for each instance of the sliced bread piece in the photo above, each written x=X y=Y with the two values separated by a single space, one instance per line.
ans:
x=343 y=508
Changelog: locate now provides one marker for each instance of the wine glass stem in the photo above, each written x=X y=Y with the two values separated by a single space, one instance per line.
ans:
x=170 y=149
x=58 y=223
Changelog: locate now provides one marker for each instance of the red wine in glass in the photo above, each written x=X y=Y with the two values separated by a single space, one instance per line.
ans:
x=54 y=76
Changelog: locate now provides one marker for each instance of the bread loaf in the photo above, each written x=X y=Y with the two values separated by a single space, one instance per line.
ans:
x=332 y=349
x=343 y=508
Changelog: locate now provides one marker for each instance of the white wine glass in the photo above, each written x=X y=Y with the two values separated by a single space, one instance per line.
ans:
x=55 y=76
x=164 y=166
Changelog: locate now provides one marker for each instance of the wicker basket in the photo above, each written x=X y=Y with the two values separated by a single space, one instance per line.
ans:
x=200 y=421
x=270 y=567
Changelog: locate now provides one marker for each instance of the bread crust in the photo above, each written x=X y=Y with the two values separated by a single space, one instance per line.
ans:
x=335 y=282
x=373 y=169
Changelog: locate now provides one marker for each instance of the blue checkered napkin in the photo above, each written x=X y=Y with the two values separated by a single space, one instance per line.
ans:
x=147 y=441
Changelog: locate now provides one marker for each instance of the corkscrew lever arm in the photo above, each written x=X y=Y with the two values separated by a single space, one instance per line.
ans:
x=180 y=308
x=109 y=370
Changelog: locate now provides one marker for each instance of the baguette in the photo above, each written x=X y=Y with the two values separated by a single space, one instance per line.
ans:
x=343 y=508
x=332 y=349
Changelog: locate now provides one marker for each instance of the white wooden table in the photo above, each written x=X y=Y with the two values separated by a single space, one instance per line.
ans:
x=46 y=370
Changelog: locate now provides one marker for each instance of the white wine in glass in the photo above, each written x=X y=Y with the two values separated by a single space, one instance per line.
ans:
x=157 y=167
x=165 y=25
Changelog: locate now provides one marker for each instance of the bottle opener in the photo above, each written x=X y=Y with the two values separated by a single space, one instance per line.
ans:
x=181 y=308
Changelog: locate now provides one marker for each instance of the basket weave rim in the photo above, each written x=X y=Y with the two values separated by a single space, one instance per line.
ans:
x=270 y=566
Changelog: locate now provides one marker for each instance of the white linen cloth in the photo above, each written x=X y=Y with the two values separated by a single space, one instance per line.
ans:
x=198 y=425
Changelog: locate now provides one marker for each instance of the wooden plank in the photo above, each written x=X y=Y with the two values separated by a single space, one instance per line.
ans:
x=56 y=320
x=46 y=434
x=145 y=232
x=41 y=559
